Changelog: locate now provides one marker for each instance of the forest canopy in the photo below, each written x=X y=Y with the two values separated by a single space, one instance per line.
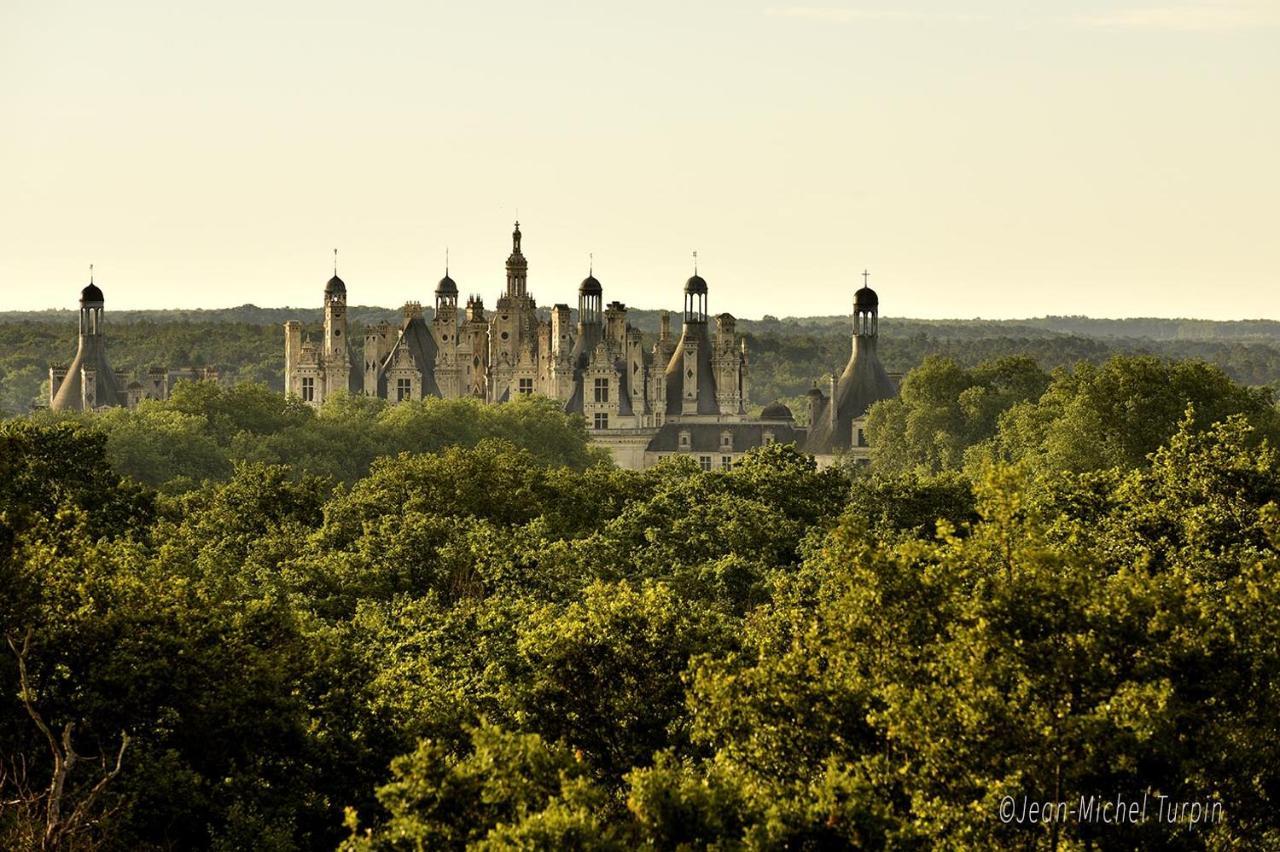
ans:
x=443 y=625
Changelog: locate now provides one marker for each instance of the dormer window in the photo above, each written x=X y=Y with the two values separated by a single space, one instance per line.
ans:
x=684 y=439
x=726 y=440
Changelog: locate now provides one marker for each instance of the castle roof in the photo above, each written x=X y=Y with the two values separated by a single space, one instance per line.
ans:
x=91 y=355
x=416 y=336
x=676 y=370
x=776 y=411
x=863 y=383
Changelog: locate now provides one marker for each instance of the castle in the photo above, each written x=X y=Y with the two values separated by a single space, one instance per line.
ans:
x=677 y=396
x=88 y=382
x=686 y=395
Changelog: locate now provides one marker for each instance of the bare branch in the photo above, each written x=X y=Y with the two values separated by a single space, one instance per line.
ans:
x=28 y=694
x=78 y=815
x=65 y=757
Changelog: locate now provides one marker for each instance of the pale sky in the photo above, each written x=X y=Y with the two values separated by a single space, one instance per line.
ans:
x=996 y=159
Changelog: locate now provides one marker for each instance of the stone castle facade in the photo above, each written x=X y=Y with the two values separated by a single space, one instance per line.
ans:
x=685 y=395
x=598 y=367
x=681 y=395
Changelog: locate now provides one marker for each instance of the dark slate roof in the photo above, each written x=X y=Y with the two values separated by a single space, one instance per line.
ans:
x=91 y=293
x=705 y=437
x=776 y=411
x=335 y=285
x=706 y=376
x=417 y=336
x=590 y=286
x=586 y=340
x=91 y=354
x=621 y=387
x=866 y=299
x=447 y=287
x=696 y=284
x=819 y=438
x=863 y=383
x=573 y=405
x=355 y=376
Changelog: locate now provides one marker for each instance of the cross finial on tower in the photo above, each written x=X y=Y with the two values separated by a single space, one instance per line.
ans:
x=695 y=261
x=446 y=261
x=91 y=273
x=591 y=263
x=335 y=262
x=865 y=276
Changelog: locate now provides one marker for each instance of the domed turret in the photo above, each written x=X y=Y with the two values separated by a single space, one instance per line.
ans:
x=89 y=382
x=695 y=296
x=590 y=305
x=865 y=299
x=863 y=383
x=90 y=294
x=447 y=289
x=334 y=288
x=91 y=306
x=866 y=310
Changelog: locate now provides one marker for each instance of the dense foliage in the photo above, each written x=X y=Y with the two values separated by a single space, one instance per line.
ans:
x=204 y=430
x=442 y=626
x=1080 y=419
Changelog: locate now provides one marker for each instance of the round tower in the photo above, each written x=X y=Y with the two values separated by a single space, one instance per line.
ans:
x=446 y=291
x=695 y=296
x=590 y=300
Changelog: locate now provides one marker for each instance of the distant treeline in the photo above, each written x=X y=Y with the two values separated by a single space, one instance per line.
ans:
x=1153 y=328
x=787 y=355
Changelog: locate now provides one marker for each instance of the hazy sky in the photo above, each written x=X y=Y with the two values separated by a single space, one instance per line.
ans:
x=982 y=158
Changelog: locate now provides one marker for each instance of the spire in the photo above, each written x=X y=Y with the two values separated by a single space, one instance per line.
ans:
x=335 y=263
x=517 y=267
x=866 y=309
x=695 y=261
x=446 y=261
x=591 y=264
x=91 y=273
